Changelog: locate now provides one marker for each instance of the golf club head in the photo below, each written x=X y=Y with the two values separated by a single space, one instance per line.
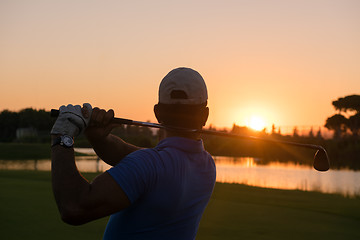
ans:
x=321 y=160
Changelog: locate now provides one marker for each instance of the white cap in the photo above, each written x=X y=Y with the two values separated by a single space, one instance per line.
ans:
x=183 y=86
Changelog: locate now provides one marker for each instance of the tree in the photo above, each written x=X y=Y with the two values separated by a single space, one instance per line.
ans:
x=318 y=134
x=273 y=129
x=9 y=122
x=354 y=124
x=295 y=132
x=311 y=133
x=348 y=103
x=337 y=123
x=40 y=120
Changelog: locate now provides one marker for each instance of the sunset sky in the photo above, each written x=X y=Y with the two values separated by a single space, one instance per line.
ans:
x=280 y=61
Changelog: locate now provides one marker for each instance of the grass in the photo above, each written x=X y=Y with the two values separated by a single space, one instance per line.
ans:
x=243 y=212
x=28 y=211
x=26 y=151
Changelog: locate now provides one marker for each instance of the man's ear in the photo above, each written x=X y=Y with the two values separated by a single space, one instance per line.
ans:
x=205 y=116
x=157 y=113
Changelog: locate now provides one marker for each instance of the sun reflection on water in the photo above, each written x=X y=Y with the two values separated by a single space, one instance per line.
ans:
x=290 y=176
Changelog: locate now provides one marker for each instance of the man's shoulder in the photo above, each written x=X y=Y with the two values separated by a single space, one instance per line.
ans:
x=143 y=153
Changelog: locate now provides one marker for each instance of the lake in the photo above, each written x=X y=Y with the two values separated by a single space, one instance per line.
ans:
x=242 y=170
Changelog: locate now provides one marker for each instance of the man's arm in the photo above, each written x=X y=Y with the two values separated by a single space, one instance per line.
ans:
x=110 y=148
x=78 y=200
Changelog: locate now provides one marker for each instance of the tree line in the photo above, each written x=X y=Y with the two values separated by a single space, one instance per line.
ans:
x=40 y=123
x=37 y=120
x=343 y=148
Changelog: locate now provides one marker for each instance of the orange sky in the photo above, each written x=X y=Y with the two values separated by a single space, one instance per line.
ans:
x=284 y=61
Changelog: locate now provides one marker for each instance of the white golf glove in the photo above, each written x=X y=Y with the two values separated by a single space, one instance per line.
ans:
x=71 y=120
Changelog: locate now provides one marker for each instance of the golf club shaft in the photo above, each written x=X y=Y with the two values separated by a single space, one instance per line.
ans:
x=120 y=121
x=321 y=160
x=216 y=133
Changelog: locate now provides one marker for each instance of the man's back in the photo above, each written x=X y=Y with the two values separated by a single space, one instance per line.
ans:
x=169 y=187
x=157 y=193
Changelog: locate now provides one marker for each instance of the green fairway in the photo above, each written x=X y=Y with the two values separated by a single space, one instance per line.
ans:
x=24 y=151
x=243 y=212
x=27 y=151
x=28 y=211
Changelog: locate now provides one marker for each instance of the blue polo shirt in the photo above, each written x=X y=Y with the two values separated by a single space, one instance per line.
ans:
x=168 y=186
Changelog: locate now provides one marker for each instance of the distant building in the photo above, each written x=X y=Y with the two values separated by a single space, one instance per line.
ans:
x=26 y=132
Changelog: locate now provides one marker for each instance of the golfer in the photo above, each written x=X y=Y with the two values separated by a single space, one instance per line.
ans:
x=157 y=193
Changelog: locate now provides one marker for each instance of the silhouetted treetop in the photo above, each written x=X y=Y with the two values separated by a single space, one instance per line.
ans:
x=348 y=103
x=337 y=123
x=341 y=124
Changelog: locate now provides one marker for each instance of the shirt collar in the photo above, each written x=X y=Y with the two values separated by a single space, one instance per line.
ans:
x=183 y=144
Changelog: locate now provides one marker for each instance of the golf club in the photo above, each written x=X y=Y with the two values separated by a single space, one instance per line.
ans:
x=321 y=159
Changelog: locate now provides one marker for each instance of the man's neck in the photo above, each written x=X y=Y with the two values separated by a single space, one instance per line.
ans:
x=190 y=135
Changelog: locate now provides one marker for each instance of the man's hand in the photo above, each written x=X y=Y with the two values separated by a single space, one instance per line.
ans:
x=110 y=148
x=100 y=124
x=72 y=120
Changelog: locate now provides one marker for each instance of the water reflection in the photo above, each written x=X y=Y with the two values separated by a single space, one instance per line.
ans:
x=83 y=163
x=42 y=165
x=237 y=170
x=286 y=176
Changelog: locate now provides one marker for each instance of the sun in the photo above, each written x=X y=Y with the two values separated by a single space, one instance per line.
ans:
x=256 y=123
